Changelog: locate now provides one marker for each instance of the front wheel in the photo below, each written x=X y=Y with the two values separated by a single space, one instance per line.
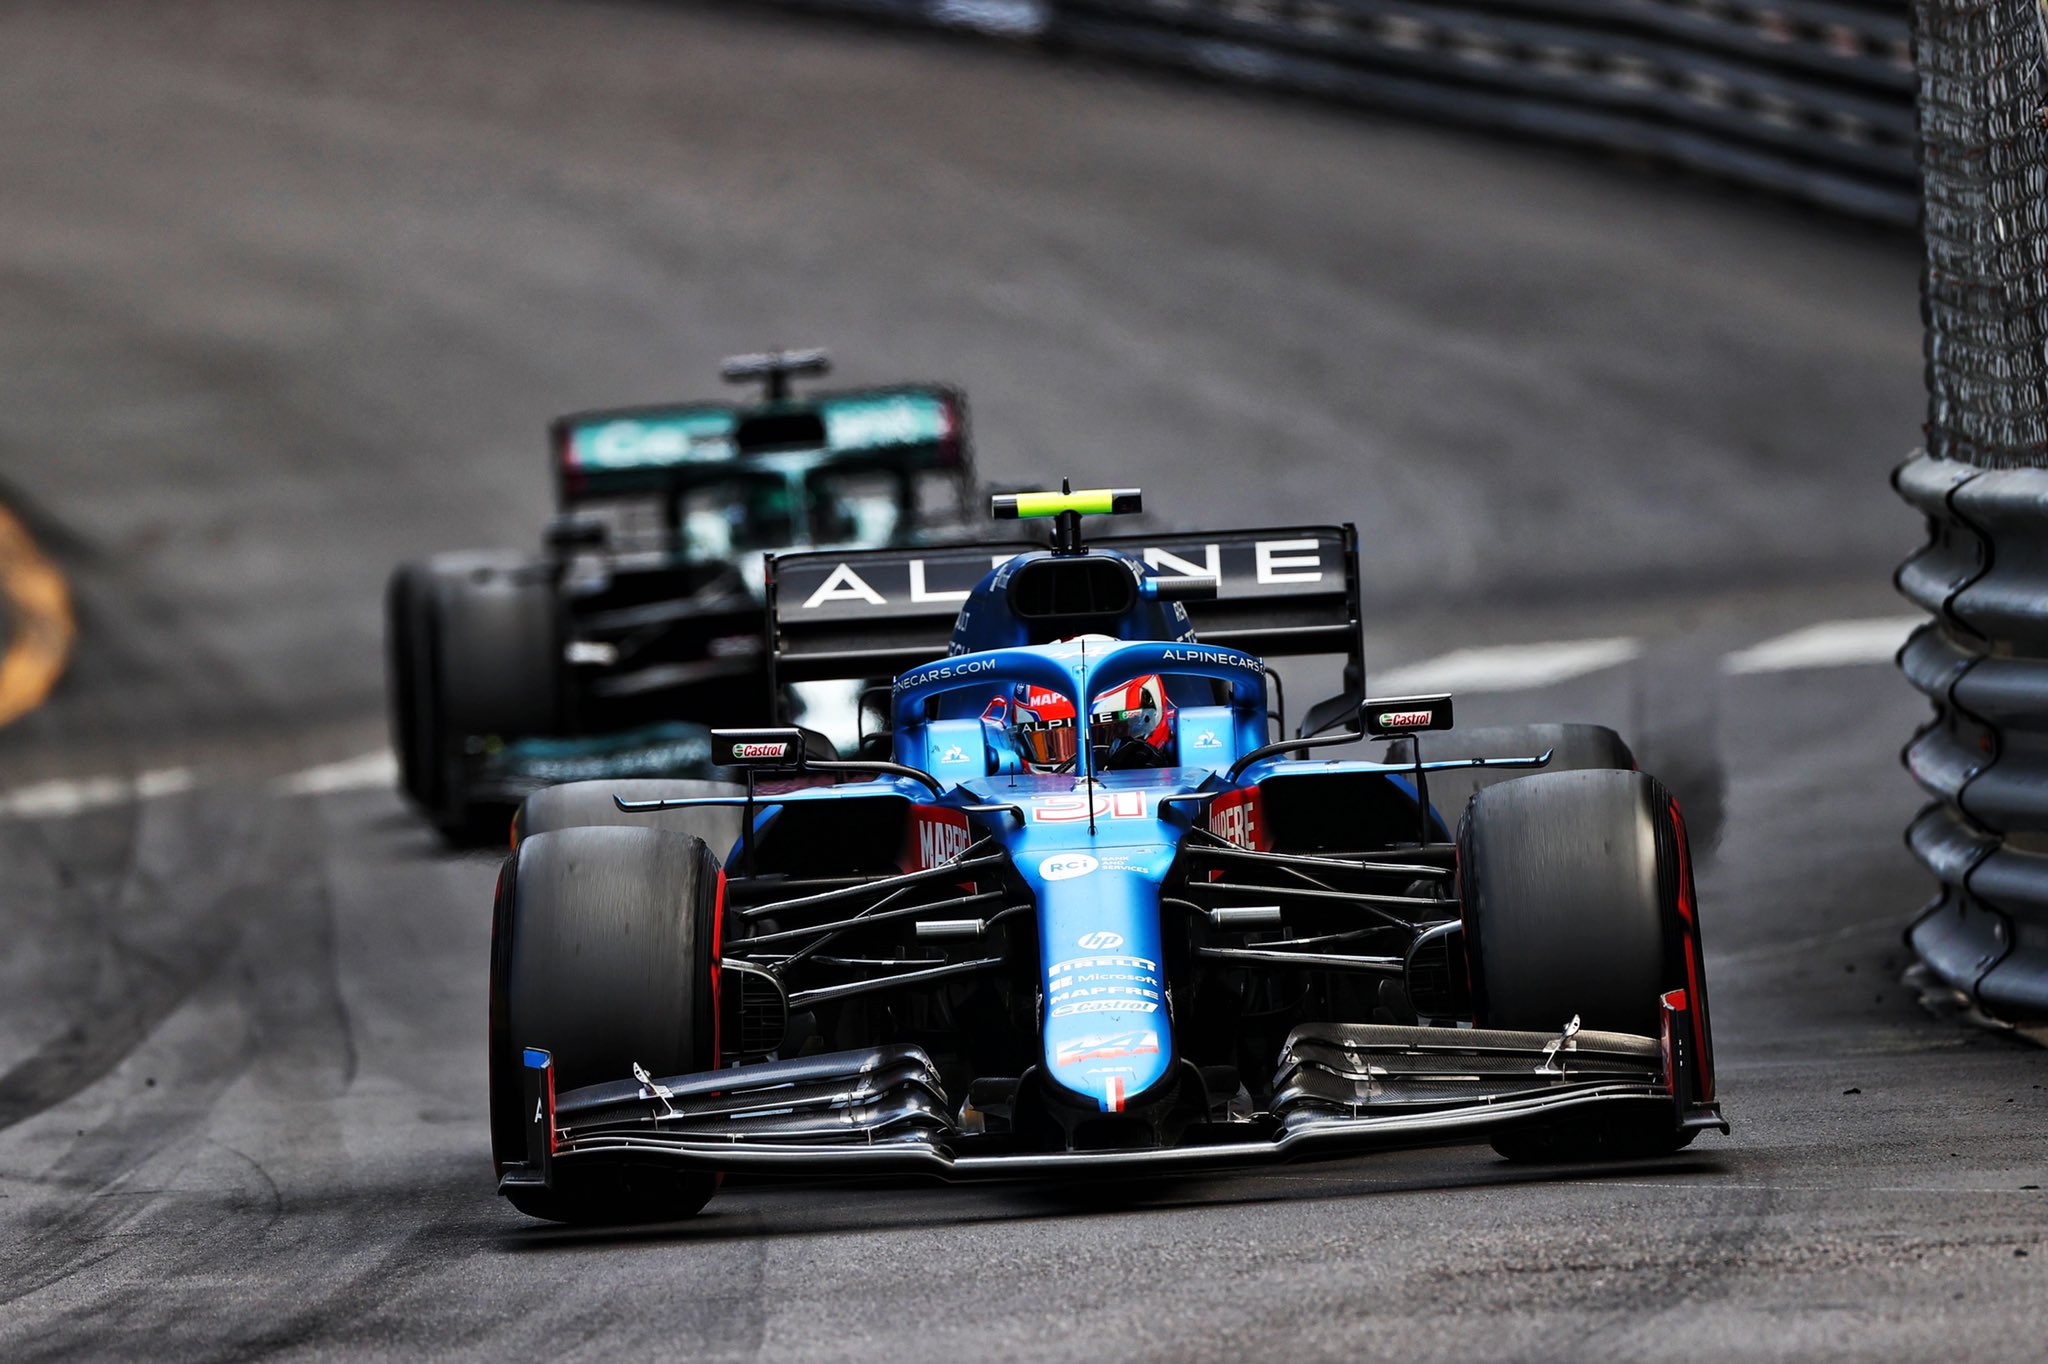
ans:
x=1577 y=903
x=412 y=654
x=473 y=656
x=602 y=953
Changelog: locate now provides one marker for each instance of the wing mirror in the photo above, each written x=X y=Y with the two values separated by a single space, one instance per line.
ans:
x=1389 y=717
x=757 y=748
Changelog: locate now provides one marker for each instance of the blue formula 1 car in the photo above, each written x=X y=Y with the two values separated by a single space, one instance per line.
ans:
x=1077 y=911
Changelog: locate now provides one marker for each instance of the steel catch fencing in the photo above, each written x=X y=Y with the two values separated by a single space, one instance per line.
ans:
x=1808 y=98
x=1982 y=484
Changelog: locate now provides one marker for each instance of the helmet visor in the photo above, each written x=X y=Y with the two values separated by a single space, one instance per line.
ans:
x=1045 y=743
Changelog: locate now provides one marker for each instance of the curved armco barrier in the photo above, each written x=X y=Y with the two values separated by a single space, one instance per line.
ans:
x=1983 y=486
x=1984 y=662
x=1808 y=98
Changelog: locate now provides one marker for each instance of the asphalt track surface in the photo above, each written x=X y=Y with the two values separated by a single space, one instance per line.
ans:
x=287 y=292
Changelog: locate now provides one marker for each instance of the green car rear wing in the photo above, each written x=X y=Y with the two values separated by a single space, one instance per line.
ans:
x=668 y=448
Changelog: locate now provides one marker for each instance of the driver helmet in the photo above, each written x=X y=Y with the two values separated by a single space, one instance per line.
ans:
x=1128 y=726
x=1038 y=725
x=1131 y=725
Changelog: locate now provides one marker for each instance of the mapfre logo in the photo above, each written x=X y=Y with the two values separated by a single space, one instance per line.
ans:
x=759 y=750
x=1235 y=819
x=940 y=841
x=1099 y=942
x=1067 y=866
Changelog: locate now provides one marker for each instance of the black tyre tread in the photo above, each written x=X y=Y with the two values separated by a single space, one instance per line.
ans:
x=1565 y=898
x=601 y=953
x=1569 y=883
x=588 y=804
x=411 y=690
x=478 y=617
x=498 y=643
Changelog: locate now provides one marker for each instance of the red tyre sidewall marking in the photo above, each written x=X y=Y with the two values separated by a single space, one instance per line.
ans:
x=1695 y=996
x=717 y=971
x=717 y=988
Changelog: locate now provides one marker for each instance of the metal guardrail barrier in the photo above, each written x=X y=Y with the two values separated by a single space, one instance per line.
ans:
x=1983 y=486
x=1807 y=98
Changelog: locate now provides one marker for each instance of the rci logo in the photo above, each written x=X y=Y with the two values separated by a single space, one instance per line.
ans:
x=1100 y=942
x=1065 y=867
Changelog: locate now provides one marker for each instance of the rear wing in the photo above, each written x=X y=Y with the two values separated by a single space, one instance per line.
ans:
x=635 y=451
x=1290 y=590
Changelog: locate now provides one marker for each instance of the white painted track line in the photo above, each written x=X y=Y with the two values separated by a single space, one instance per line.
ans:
x=54 y=799
x=1506 y=667
x=359 y=773
x=63 y=797
x=1498 y=668
x=1831 y=644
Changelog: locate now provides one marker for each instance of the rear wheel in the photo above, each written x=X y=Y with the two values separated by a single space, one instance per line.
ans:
x=602 y=953
x=1571 y=884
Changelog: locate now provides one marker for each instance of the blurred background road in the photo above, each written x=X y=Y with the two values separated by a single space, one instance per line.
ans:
x=287 y=293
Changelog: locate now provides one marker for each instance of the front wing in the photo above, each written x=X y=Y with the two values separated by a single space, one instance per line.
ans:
x=1342 y=1090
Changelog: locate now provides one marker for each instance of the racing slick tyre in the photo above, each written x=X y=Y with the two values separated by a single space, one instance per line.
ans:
x=1571 y=883
x=410 y=650
x=1572 y=748
x=587 y=804
x=602 y=952
x=489 y=660
x=499 y=642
